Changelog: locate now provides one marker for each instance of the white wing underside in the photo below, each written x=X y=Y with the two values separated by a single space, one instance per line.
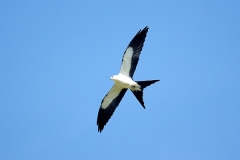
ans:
x=112 y=94
x=126 y=61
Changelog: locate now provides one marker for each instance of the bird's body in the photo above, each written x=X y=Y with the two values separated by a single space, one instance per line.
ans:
x=123 y=81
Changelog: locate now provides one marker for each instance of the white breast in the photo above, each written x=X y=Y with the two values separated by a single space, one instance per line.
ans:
x=124 y=81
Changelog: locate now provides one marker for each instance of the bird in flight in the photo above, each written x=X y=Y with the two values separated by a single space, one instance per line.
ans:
x=123 y=81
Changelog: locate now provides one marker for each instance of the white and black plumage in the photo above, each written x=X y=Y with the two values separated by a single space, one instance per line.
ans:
x=123 y=81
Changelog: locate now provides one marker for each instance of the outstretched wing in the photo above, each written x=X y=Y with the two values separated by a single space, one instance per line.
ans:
x=108 y=105
x=132 y=53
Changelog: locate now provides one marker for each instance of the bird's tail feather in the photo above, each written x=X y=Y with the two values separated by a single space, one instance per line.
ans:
x=139 y=94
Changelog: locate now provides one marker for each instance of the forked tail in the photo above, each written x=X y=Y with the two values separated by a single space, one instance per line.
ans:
x=139 y=94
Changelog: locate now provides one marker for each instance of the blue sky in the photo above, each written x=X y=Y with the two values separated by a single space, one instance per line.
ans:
x=56 y=58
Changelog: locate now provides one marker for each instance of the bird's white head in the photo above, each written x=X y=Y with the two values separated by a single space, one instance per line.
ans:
x=113 y=77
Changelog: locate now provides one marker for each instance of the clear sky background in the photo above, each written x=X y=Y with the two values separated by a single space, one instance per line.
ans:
x=56 y=58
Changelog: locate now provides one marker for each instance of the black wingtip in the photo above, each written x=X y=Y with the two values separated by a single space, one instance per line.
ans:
x=103 y=116
x=139 y=38
x=145 y=29
x=101 y=120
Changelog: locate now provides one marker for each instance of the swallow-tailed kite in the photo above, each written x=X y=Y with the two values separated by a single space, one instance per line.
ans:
x=123 y=81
